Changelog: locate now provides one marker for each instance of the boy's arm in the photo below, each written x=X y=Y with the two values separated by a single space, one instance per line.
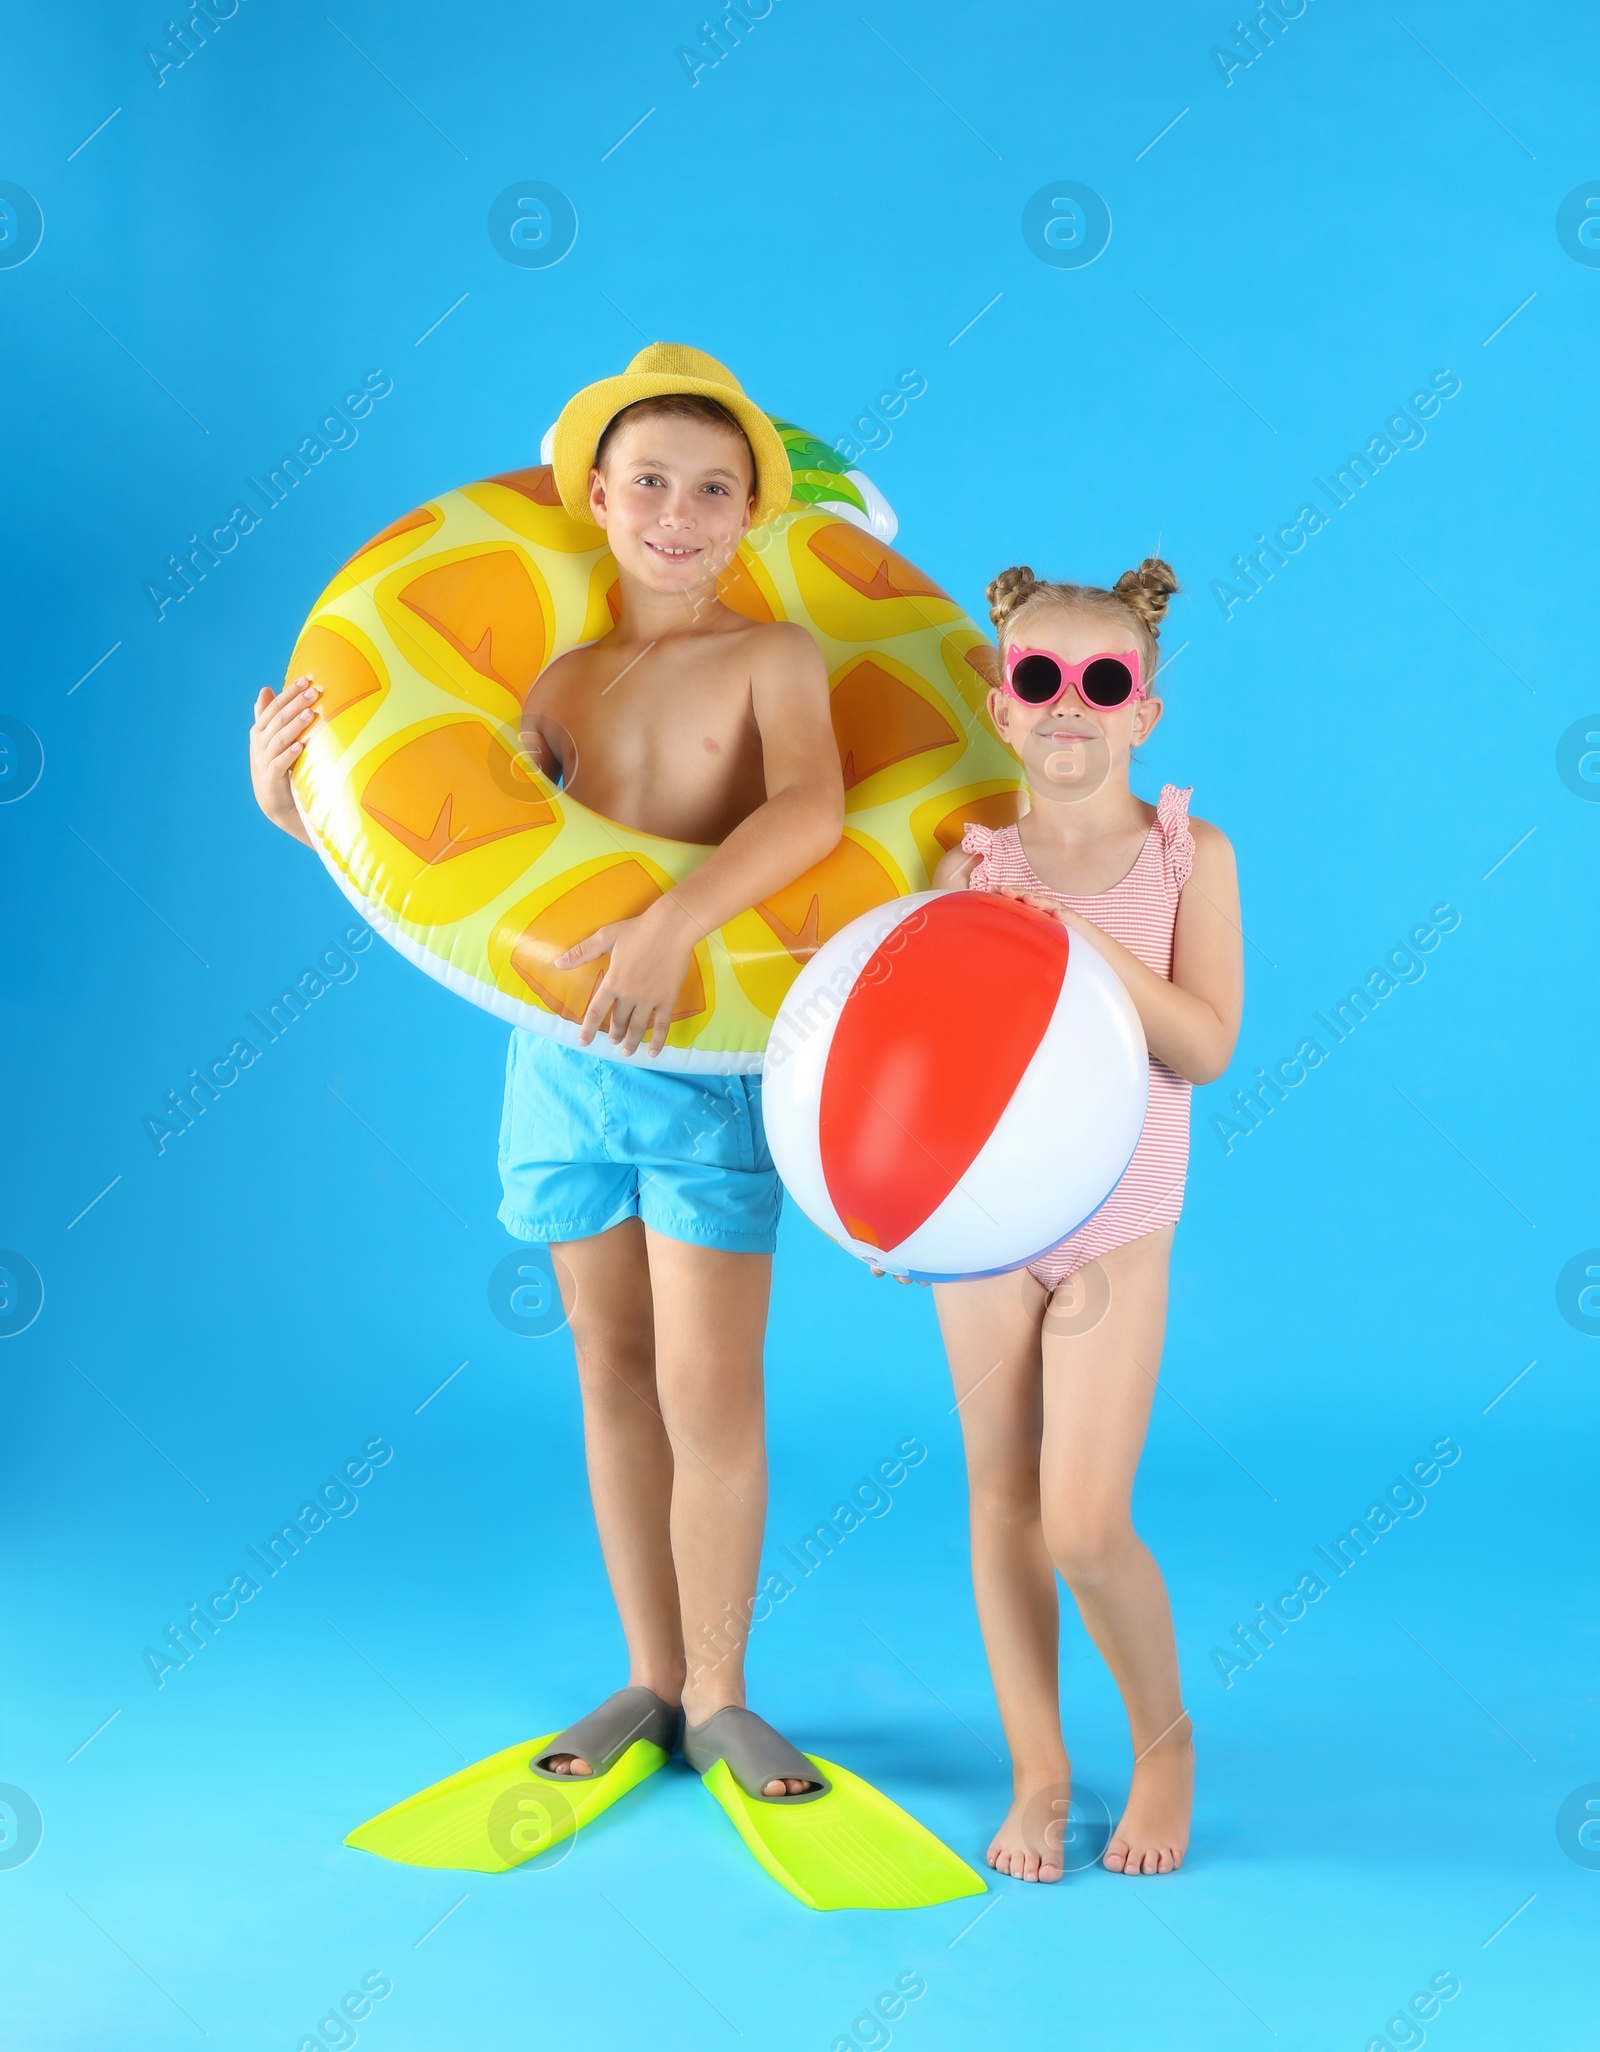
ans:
x=803 y=817
x=801 y=821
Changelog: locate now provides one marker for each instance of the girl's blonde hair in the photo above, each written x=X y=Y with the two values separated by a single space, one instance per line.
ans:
x=1138 y=597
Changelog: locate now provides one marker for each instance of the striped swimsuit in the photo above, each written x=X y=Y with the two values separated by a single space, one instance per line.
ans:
x=1140 y=912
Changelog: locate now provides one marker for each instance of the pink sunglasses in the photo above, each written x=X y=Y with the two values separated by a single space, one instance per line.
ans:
x=1033 y=676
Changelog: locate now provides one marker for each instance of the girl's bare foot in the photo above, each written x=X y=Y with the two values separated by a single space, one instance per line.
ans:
x=1028 y=1844
x=1153 y=1835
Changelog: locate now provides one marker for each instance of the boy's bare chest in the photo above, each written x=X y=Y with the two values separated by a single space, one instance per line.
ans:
x=662 y=739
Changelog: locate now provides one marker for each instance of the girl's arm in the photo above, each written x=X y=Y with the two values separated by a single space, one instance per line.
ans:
x=1192 y=1022
x=952 y=871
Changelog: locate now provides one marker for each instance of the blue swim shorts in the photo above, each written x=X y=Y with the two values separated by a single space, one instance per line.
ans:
x=587 y=1141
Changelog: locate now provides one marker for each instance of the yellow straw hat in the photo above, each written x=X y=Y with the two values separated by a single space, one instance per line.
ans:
x=662 y=368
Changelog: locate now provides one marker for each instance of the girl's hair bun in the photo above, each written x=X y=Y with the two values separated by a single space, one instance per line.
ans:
x=1012 y=588
x=1145 y=591
x=1139 y=595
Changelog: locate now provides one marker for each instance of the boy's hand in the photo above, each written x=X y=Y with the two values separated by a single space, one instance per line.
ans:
x=276 y=739
x=650 y=957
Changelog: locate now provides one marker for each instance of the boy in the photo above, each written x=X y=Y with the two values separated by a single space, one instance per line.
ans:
x=655 y=1188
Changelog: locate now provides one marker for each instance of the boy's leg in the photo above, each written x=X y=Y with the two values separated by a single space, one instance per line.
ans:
x=1098 y=1388
x=711 y=1319
x=605 y=1286
x=991 y=1335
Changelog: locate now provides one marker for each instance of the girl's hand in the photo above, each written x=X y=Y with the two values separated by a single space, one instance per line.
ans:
x=1073 y=921
x=650 y=957
x=282 y=719
x=880 y=1272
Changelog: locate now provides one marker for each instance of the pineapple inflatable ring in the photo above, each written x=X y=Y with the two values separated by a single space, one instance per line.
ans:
x=437 y=826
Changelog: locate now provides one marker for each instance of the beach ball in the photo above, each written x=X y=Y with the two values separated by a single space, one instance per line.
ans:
x=954 y=1083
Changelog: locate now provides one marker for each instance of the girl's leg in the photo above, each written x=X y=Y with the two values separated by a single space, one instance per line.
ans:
x=1098 y=1388
x=991 y=1334
x=605 y=1286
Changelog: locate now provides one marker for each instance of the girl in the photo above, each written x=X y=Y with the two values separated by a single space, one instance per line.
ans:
x=1054 y=1367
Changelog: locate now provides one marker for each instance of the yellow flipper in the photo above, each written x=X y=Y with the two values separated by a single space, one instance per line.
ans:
x=849 y=1849
x=492 y=1816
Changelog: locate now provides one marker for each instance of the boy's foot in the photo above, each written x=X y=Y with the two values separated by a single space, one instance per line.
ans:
x=1028 y=1845
x=759 y=1758
x=1153 y=1835
x=595 y=1743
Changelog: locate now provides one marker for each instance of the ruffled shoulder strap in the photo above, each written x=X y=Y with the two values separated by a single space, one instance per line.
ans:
x=978 y=840
x=1177 y=841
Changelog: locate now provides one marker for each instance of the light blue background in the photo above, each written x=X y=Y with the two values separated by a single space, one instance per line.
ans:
x=1375 y=730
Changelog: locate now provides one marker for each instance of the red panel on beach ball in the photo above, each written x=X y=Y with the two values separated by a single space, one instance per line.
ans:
x=924 y=1062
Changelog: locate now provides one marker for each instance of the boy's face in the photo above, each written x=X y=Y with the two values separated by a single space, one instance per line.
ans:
x=674 y=499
